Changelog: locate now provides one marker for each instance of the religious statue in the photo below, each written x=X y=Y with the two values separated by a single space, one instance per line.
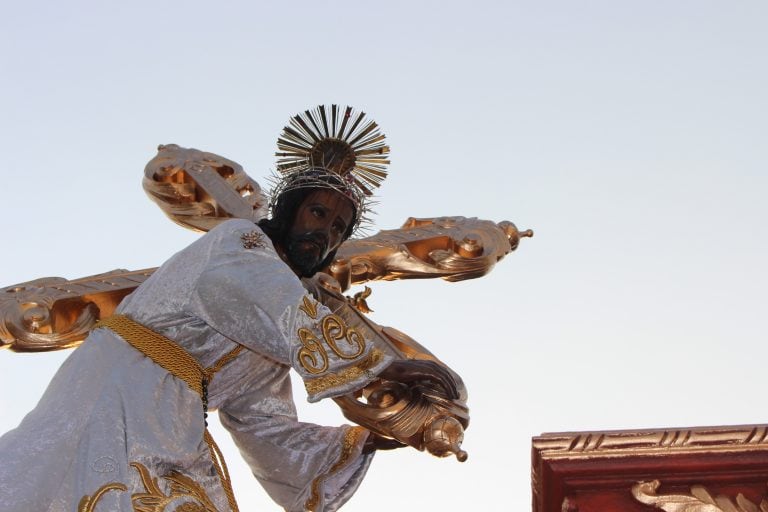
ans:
x=218 y=326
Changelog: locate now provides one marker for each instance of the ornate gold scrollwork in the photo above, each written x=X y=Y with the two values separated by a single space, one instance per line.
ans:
x=198 y=190
x=312 y=356
x=53 y=313
x=335 y=329
x=359 y=301
x=416 y=400
x=650 y=442
x=188 y=495
x=452 y=248
x=181 y=487
x=700 y=500
x=311 y=349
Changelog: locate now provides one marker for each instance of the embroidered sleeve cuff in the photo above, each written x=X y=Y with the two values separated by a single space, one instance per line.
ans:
x=348 y=379
x=333 y=355
x=331 y=490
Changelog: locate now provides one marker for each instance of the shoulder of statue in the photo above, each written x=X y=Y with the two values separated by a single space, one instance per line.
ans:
x=241 y=235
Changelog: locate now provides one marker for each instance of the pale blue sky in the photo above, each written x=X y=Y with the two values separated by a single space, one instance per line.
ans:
x=630 y=135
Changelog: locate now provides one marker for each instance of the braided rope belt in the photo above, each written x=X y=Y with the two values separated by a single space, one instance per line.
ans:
x=176 y=361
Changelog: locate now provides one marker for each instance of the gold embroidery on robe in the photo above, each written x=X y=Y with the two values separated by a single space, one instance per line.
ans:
x=88 y=503
x=334 y=329
x=311 y=346
x=351 y=437
x=313 y=356
x=153 y=500
x=309 y=307
x=252 y=240
x=348 y=374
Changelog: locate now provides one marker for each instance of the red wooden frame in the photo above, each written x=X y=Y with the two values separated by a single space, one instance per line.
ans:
x=596 y=471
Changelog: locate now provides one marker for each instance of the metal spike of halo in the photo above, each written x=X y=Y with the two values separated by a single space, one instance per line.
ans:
x=325 y=143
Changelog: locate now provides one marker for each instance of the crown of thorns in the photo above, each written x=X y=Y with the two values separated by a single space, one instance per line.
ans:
x=332 y=148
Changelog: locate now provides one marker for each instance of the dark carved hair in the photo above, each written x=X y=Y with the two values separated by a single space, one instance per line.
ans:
x=284 y=213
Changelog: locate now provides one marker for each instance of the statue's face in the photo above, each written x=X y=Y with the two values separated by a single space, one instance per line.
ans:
x=318 y=228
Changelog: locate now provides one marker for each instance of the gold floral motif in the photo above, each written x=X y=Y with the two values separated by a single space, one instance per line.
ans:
x=311 y=346
x=181 y=487
x=700 y=500
x=334 y=329
x=351 y=440
x=252 y=240
x=309 y=307
x=88 y=503
x=348 y=374
x=153 y=499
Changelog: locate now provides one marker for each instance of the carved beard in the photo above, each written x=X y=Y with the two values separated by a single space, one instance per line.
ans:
x=300 y=258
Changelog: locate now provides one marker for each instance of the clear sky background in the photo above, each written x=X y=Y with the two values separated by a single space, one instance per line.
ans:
x=630 y=135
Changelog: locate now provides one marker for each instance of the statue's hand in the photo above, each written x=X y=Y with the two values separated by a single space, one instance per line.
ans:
x=410 y=371
x=379 y=442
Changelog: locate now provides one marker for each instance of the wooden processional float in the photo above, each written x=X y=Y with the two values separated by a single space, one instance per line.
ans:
x=421 y=404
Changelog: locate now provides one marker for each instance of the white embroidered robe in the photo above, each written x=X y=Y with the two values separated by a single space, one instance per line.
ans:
x=111 y=414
